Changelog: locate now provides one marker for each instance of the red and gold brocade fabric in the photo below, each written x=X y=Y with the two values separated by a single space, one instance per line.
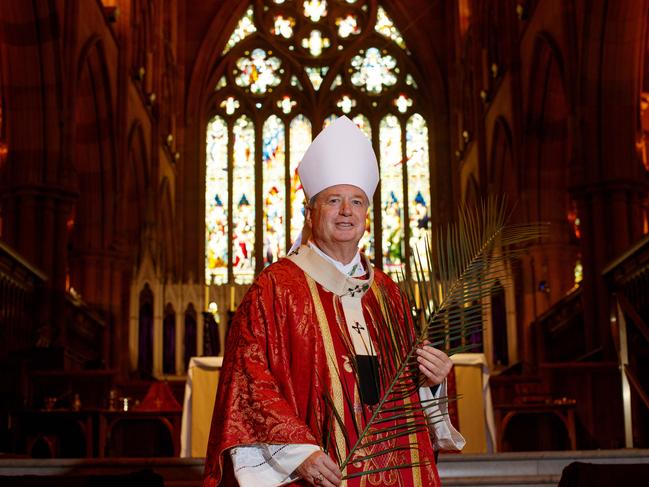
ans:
x=275 y=375
x=424 y=475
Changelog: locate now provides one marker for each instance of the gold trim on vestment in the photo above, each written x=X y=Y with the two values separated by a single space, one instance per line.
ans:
x=414 y=452
x=319 y=271
x=336 y=386
x=412 y=437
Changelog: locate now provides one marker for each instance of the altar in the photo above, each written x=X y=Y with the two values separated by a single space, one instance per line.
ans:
x=475 y=412
x=198 y=404
x=474 y=406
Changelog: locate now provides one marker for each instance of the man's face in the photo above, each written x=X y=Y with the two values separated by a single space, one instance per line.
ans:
x=337 y=216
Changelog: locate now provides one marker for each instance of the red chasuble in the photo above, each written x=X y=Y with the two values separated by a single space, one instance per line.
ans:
x=285 y=351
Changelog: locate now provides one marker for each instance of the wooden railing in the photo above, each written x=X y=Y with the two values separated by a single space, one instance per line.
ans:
x=559 y=332
x=21 y=290
x=84 y=336
x=628 y=280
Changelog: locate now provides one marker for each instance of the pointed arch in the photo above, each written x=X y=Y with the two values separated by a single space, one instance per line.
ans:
x=34 y=101
x=545 y=175
x=33 y=41
x=328 y=73
x=549 y=144
x=94 y=147
x=190 y=335
x=145 y=332
x=468 y=107
x=93 y=143
x=169 y=340
x=137 y=189
x=503 y=172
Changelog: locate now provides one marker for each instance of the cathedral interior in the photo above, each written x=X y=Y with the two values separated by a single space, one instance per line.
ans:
x=148 y=154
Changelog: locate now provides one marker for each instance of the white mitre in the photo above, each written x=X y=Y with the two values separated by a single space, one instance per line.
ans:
x=340 y=154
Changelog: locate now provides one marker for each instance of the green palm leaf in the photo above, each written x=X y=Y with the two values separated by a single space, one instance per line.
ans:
x=459 y=269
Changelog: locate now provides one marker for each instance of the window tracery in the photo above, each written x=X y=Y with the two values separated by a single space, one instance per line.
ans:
x=288 y=69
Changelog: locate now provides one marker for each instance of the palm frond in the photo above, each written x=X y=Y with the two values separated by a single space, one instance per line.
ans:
x=451 y=281
x=384 y=469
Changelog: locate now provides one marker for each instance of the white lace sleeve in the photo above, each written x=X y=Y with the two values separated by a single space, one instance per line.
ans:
x=264 y=465
x=445 y=436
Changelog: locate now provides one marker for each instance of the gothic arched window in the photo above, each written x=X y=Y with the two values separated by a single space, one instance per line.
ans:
x=288 y=69
x=190 y=335
x=145 y=332
x=169 y=340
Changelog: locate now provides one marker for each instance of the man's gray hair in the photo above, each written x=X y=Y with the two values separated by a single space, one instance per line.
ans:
x=311 y=201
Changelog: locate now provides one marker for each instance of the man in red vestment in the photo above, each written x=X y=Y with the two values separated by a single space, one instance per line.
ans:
x=291 y=341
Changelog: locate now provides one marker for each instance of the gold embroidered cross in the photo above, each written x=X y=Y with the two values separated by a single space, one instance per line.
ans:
x=358 y=327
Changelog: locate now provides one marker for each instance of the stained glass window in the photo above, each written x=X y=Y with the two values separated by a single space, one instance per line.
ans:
x=300 y=139
x=363 y=123
x=329 y=120
x=258 y=71
x=274 y=191
x=372 y=70
x=286 y=104
x=288 y=69
x=296 y=83
x=315 y=43
x=346 y=104
x=410 y=81
x=347 y=26
x=402 y=103
x=391 y=193
x=315 y=9
x=216 y=202
x=386 y=27
x=230 y=104
x=367 y=241
x=245 y=27
x=418 y=184
x=243 y=200
x=283 y=26
x=316 y=75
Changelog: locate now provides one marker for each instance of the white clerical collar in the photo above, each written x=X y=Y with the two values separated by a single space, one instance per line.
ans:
x=323 y=271
x=353 y=269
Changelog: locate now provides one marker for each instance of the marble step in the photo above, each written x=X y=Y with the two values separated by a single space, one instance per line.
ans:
x=525 y=468
x=503 y=481
x=503 y=469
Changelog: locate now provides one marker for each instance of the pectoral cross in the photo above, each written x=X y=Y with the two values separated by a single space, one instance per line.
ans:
x=358 y=327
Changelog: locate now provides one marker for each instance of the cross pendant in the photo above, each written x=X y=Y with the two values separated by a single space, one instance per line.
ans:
x=358 y=327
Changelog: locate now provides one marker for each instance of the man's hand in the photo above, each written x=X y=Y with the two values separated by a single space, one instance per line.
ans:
x=319 y=469
x=433 y=363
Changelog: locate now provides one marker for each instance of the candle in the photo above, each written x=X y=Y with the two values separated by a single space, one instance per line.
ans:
x=232 y=298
